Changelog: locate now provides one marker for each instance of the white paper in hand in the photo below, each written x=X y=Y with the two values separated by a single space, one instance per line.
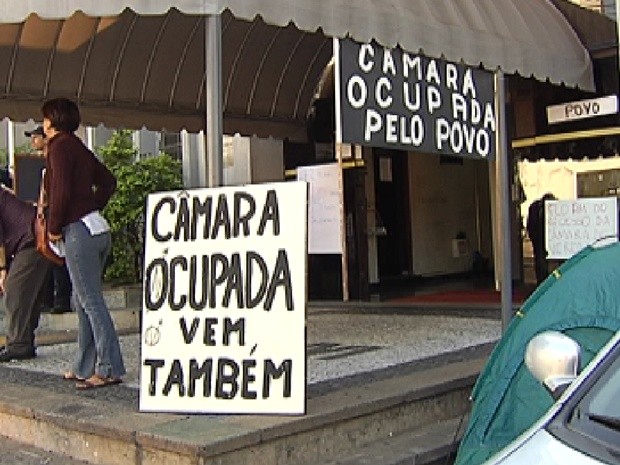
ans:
x=58 y=247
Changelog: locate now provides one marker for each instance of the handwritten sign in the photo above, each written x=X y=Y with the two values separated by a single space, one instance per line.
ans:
x=325 y=210
x=224 y=300
x=398 y=100
x=572 y=225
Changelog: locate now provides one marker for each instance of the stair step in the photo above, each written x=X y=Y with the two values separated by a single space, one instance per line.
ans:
x=420 y=446
x=125 y=320
x=124 y=304
x=18 y=453
x=336 y=424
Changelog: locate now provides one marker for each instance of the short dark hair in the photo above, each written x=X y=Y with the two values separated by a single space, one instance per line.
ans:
x=64 y=114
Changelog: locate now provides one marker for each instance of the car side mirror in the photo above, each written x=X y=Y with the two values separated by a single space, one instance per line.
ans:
x=553 y=359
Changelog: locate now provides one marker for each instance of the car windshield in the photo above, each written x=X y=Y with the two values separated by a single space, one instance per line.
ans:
x=601 y=404
x=593 y=424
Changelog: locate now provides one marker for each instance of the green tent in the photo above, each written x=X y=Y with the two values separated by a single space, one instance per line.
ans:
x=581 y=299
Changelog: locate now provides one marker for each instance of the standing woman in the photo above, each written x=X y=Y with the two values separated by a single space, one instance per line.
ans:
x=78 y=188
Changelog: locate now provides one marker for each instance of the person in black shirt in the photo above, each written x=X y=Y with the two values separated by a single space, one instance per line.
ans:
x=536 y=231
x=79 y=186
x=23 y=273
x=5 y=177
x=58 y=288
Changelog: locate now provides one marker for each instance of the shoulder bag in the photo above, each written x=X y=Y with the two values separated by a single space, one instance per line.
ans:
x=40 y=228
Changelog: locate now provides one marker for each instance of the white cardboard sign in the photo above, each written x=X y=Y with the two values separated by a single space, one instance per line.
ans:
x=224 y=300
x=572 y=225
x=325 y=211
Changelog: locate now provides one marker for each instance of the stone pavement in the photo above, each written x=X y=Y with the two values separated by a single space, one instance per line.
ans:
x=341 y=344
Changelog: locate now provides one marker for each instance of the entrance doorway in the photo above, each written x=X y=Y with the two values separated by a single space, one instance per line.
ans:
x=392 y=207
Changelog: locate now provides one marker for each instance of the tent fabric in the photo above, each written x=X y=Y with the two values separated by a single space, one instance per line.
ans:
x=141 y=62
x=581 y=299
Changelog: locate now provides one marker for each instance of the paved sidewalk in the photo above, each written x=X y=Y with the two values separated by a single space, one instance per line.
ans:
x=341 y=343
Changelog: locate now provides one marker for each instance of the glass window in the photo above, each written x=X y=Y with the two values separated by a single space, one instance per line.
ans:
x=590 y=421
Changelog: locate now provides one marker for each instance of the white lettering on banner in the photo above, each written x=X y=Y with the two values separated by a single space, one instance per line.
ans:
x=465 y=83
x=373 y=124
x=434 y=99
x=469 y=87
x=489 y=117
x=432 y=73
x=407 y=131
x=357 y=92
x=410 y=101
x=388 y=63
x=391 y=131
x=364 y=59
x=412 y=105
x=460 y=137
x=409 y=64
x=383 y=97
x=452 y=74
x=470 y=110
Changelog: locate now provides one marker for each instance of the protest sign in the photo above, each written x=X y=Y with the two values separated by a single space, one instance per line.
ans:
x=325 y=211
x=572 y=225
x=224 y=297
x=398 y=100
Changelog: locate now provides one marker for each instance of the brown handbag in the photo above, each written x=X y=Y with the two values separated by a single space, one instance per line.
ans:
x=40 y=229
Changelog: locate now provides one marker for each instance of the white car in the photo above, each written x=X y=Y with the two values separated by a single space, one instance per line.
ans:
x=583 y=426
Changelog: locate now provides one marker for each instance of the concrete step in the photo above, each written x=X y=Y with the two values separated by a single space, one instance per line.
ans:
x=434 y=443
x=104 y=426
x=125 y=320
x=124 y=304
x=16 y=453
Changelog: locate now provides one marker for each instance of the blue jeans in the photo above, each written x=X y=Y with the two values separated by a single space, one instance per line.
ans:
x=99 y=350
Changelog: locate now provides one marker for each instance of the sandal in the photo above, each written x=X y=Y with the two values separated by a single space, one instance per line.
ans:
x=96 y=381
x=70 y=376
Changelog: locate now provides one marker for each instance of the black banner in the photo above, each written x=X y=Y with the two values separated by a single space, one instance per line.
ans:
x=393 y=99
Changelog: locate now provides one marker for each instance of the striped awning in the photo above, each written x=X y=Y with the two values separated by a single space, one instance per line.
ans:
x=137 y=63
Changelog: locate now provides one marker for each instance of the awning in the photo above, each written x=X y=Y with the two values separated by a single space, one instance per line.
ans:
x=597 y=32
x=141 y=62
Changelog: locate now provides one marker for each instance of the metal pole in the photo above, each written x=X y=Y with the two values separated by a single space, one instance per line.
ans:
x=618 y=25
x=477 y=204
x=339 y=148
x=211 y=172
x=10 y=141
x=503 y=201
x=343 y=222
